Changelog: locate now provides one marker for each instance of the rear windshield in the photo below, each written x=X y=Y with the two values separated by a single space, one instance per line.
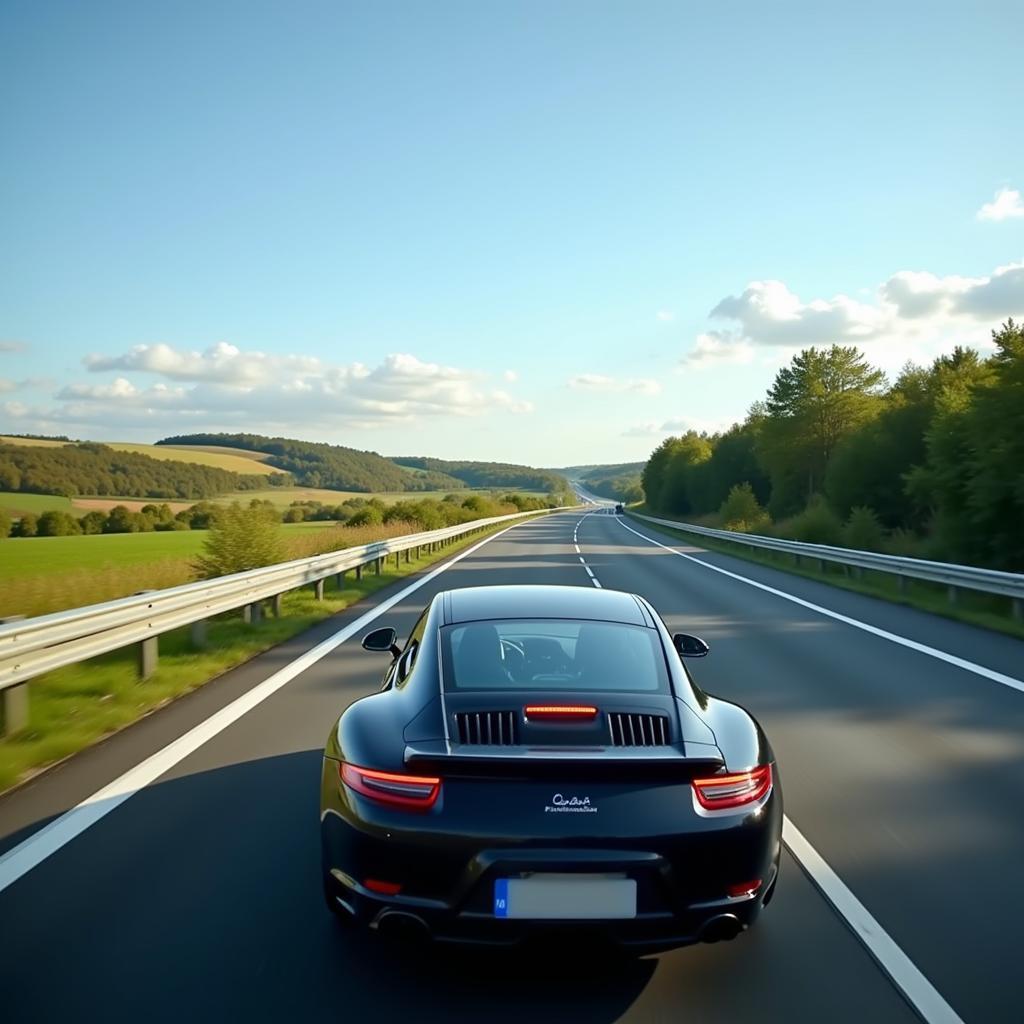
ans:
x=552 y=654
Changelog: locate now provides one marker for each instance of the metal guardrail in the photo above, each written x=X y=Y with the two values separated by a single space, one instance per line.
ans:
x=953 y=577
x=30 y=647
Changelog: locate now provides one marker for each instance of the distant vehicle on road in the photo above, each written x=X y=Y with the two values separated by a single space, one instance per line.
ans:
x=539 y=761
x=618 y=509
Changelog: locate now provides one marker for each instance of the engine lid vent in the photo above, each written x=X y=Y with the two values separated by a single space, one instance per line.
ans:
x=637 y=730
x=490 y=728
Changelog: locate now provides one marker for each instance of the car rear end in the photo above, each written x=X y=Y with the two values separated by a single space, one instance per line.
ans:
x=546 y=804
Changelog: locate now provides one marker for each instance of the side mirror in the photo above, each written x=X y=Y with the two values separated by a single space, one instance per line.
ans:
x=382 y=641
x=690 y=646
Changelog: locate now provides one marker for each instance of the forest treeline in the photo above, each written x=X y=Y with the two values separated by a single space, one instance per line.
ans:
x=95 y=469
x=931 y=464
x=620 y=483
x=488 y=474
x=331 y=466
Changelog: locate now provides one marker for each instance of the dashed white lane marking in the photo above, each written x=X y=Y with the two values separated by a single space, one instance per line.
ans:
x=932 y=652
x=905 y=975
x=36 y=848
x=590 y=572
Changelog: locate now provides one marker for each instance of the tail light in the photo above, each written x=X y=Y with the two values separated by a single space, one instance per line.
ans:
x=562 y=712
x=744 y=888
x=410 y=792
x=723 y=791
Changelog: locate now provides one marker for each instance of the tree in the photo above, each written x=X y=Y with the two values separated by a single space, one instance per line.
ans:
x=5 y=523
x=26 y=525
x=813 y=404
x=741 y=511
x=666 y=477
x=240 y=539
x=995 y=426
x=92 y=522
x=54 y=523
x=870 y=466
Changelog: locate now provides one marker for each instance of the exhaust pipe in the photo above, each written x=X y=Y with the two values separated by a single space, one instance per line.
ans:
x=721 y=928
x=401 y=925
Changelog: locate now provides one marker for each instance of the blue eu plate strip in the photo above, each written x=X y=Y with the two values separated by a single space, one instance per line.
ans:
x=501 y=897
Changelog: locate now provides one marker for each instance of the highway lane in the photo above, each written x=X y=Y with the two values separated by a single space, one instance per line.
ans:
x=906 y=773
x=200 y=894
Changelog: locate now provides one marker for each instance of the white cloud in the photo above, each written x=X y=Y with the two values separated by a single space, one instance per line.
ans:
x=228 y=388
x=7 y=385
x=666 y=315
x=914 y=315
x=678 y=425
x=510 y=376
x=1007 y=203
x=717 y=348
x=598 y=382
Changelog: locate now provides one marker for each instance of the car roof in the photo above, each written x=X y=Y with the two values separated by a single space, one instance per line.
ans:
x=471 y=604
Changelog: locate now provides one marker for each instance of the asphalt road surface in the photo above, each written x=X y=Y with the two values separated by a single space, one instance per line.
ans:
x=198 y=898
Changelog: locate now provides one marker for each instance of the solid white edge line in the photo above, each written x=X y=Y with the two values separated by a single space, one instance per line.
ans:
x=590 y=572
x=31 y=852
x=932 y=652
x=916 y=988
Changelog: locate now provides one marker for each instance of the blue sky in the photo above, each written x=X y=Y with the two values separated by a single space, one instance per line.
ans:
x=490 y=230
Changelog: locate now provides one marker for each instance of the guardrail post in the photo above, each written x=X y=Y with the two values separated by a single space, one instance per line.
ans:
x=148 y=650
x=397 y=557
x=376 y=565
x=149 y=654
x=901 y=584
x=408 y=556
x=339 y=579
x=275 y=605
x=253 y=613
x=1017 y=606
x=15 y=698
x=197 y=633
x=318 y=590
x=951 y=594
x=821 y=565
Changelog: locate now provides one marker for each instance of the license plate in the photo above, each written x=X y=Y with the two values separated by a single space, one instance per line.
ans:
x=565 y=897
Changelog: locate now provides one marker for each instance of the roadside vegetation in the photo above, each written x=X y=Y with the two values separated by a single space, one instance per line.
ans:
x=929 y=466
x=74 y=707
x=51 y=572
x=989 y=611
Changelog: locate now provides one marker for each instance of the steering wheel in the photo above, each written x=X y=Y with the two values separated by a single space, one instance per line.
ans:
x=514 y=656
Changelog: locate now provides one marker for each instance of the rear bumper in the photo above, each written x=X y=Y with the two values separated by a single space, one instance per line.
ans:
x=448 y=890
x=649 y=932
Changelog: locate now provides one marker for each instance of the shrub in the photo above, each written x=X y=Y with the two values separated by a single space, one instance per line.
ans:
x=92 y=522
x=863 y=531
x=57 y=524
x=27 y=525
x=817 y=524
x=5 y=523
x=241 y=539
x=368 y=515
x=741 y=511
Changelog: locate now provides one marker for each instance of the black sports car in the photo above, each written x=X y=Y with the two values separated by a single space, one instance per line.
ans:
x=540 y=759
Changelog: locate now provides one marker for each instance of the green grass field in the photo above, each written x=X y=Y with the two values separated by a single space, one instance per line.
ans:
x=73 y=707
x=34 y=556
x=19 y=504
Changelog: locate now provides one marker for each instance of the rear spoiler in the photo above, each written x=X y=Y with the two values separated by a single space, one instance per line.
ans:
x=671 y=762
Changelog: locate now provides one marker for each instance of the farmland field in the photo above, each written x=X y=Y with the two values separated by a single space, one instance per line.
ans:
x=221 y=458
